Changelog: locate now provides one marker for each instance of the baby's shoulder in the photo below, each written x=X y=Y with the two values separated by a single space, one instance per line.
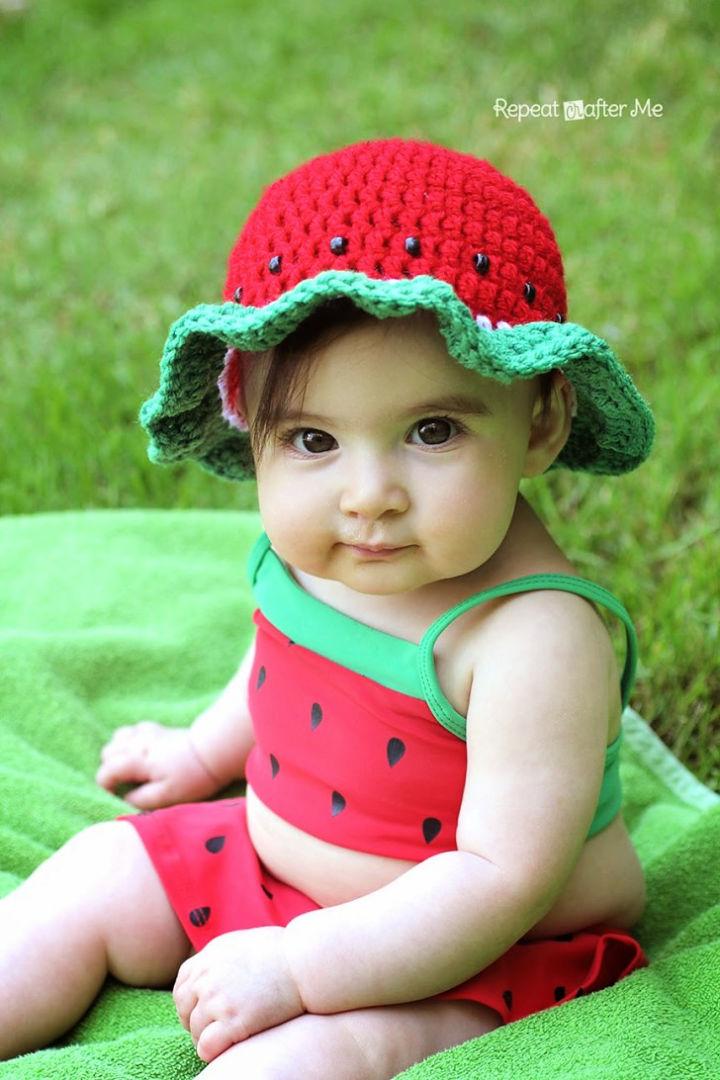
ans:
x=525 y=615
x=529 y=610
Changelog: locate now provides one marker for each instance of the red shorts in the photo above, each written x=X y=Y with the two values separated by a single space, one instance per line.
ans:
x=216 y=883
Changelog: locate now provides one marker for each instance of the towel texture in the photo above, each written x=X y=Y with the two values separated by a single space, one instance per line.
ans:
x=110 y=617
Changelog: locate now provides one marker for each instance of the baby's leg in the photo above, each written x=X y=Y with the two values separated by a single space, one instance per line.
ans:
x=361 y=1044
x=94 y=907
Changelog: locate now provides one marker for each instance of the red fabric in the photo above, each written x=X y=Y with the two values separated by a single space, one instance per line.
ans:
x=216 y=883
x=384 y=195
x=342 y=757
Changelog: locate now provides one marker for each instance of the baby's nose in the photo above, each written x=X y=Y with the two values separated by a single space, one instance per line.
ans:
x=372 y=487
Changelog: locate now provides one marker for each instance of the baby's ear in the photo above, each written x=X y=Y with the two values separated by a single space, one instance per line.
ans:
x=551 y=422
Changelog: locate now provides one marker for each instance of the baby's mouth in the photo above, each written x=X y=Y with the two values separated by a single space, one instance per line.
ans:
x=376 y=550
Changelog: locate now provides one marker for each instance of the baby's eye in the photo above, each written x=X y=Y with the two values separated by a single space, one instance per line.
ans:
x=434 y=430
x=311 y=441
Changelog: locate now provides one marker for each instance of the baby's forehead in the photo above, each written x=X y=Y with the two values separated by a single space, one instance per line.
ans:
x=396 y=352
x=394 y=374
x=372 y=372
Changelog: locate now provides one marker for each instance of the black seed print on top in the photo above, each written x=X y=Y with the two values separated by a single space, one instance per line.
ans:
x=431 y=827
x=559 y=993
x=507 y=998
x=395 y=750
x=199 y=916
x=274 y=765
x=260 y=678
x=266 y=891
x=338 y=803
x=215 y=844
x=316 y=715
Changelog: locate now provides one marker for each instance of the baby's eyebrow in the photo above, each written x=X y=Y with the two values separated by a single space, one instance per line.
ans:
x=452 y=403
x=459 y=403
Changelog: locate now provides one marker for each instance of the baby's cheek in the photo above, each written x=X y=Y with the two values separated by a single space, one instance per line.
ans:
x=293 y=523
x=470 y=520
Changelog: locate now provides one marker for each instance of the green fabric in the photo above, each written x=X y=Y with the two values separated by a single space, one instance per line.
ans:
x=402 y=665
x=111 y=617
x=612 y=432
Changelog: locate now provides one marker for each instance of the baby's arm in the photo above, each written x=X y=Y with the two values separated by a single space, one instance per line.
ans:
x=173 y=765
x=537 y=728
x=222 y=736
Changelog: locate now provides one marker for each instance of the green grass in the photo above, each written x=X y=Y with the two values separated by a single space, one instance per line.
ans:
x=135 y=138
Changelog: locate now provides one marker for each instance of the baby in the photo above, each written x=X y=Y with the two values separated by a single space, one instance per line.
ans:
x=429 y=717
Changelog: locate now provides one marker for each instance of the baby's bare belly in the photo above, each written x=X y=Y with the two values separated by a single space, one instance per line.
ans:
x=606 y=885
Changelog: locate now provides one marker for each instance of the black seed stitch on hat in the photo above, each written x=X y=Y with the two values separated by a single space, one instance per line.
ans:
x=275 y=264
x=559 y=317
x=199 y=916
x=559 y=993
x=412 y=245
x=316 y=715
x=260 y=678
x=507 y=998
x=395 y=750
x=215 y=844
x=529 y=292
x=266 y=891
x=338 y=803
x=431 y=827
x=274 y=765
x=481 y=263
x=237 y=295
x=338 y=245
x=563 y=937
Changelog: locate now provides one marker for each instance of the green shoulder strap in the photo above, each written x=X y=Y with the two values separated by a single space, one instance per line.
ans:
x=441 y=707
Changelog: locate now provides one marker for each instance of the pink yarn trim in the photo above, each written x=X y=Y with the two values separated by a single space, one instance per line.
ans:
x=230 y=385
x=568 y=391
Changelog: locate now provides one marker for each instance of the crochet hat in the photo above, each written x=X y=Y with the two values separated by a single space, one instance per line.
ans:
x=396 y=225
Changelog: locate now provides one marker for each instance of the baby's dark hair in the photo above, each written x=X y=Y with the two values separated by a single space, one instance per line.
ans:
x=289 y=363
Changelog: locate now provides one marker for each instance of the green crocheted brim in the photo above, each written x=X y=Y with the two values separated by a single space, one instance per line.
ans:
x=612 y=432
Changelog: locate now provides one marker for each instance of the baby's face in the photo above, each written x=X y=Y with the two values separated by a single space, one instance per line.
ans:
x=399 y=468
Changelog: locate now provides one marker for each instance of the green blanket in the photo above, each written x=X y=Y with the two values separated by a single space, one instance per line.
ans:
x=107 y=618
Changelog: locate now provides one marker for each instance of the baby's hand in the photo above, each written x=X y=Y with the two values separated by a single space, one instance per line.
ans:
x=238 y=985
x=162 y=761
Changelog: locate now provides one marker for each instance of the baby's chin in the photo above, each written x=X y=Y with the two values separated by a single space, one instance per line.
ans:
x=403 y=574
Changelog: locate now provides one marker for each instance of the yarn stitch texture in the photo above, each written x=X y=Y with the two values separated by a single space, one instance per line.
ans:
x=395 y=225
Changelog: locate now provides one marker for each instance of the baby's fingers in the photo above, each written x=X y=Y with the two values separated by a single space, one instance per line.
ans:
x=149 y=796
x=215 y=1039
x=122 y=768
x=130 y=735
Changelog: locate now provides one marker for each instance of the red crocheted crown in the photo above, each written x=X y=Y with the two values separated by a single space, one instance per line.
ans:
x=394 y=208
x=395 y=225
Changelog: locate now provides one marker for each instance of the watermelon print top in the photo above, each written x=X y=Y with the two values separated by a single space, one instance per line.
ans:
x=355 y=741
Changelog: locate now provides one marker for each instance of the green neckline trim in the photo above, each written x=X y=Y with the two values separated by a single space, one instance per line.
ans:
x=392 y=661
